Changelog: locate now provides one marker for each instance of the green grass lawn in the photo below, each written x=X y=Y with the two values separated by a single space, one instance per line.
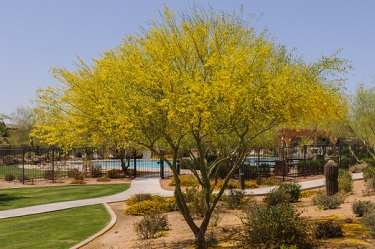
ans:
x=60 y=229
x=17 y=171
x=25 y=197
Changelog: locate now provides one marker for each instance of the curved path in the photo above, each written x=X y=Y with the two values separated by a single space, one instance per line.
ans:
x=138 y=185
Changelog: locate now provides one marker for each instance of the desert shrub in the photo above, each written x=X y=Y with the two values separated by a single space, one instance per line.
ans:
x=138 y=198
x=361 y=207
x=357 y=168
x=232 y=184
x=25 y=177
x=146 y=207
x=273 y=226
x=185 y=181
x=10 y=160
x=51 y=174
x=308 y=193
x=114 y=173
x=103 y=179
x=215 y=219
x=235 y=198
x=370 y=184
x=78 y=181
x=293 y=189
x=369 y=172
x=72 y=173
x=345 y=181
x=277 y=196
x=270 y=181
x=194 y=199
x=9 y=177
x=328 y=229
x=324 y=201
x=172 y=205
x=151 y=225
x=96 y=171
x=251 y=184
x=368 y=221
x=288 y=247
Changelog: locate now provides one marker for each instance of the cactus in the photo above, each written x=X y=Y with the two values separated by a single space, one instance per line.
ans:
x=331 y=172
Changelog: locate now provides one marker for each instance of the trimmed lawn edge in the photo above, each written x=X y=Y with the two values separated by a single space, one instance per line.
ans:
x=101 y=232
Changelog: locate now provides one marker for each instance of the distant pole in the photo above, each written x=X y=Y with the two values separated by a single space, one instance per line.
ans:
x=135 y=163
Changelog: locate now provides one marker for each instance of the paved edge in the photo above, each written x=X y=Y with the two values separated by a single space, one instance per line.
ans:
x=101 y=232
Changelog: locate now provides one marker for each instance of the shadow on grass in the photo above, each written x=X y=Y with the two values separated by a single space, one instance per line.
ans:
x=6 y=198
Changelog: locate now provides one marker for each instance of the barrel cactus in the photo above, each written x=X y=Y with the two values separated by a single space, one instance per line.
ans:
x=331 y=172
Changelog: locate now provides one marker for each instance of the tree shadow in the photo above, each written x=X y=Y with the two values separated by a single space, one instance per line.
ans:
x=5 y=199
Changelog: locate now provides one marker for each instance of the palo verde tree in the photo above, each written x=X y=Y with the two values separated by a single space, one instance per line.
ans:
x=360 y=124
x=193 y=81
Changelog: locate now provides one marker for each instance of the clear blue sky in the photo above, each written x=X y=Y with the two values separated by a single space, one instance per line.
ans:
x=39 y=34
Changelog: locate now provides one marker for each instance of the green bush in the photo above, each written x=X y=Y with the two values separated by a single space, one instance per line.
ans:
x=346 y=162
x=368 y=221
x=312 y=167
x=345 y=181
x=9 y=177
x=286 y=192
x=293 y=189
x=151 y=225
x=359 y=208
x=324 y=201
x=328 y=229
x=235 y=198
x=275 y=226
x=277 y=196
x=369 y=161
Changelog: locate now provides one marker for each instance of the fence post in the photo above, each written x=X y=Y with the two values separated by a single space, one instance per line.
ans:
x=304 y=160
x=161 y=167
x=23 y=166
x=258 y=166
x=53 y=164
x=135 y=163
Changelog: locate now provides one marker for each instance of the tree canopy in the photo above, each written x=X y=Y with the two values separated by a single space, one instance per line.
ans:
x=201 y=80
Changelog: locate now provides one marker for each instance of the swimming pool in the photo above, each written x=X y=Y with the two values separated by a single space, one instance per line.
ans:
x=147 y=164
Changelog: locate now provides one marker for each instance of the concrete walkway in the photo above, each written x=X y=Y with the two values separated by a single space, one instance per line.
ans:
x=138 y=185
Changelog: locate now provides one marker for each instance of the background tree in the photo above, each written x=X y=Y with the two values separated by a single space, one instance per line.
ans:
x=193 y=81
x=4 y=133
x=359 y=127
x=23 y=120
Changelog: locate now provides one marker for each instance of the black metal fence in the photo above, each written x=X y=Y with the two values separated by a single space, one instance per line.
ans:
x=282 y=164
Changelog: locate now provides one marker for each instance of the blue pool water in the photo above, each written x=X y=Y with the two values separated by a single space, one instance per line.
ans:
x=150 y=164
